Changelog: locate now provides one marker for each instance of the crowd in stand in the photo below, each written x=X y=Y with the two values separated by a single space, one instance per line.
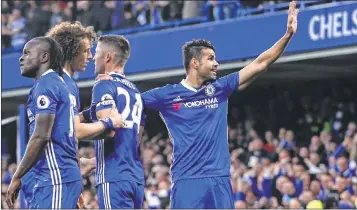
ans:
x=289 y=149
x=23 y=20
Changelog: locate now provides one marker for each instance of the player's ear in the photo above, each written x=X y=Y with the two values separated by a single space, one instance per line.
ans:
x=107 y=57
x=45 y=57
x=195 y=63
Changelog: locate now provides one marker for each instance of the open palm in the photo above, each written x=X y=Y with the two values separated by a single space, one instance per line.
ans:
x=292 y=18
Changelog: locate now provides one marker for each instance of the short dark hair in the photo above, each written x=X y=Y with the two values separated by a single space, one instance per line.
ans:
x=192 y=49
x=121 y=45
x=69 y=35
x=56 y=54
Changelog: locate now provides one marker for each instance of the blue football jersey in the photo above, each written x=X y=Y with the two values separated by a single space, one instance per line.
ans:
x=196 y=120
x=28 y=181
x=59 y=163
x=30 y=108
x=118 y=158
x=74 y=90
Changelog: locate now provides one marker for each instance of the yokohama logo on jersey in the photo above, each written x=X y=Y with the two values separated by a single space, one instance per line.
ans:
x=204 y=102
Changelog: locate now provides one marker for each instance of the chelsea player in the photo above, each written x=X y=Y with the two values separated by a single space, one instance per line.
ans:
x=195 y=113
x=52 y=147
x=76 y=41
x=119 y=171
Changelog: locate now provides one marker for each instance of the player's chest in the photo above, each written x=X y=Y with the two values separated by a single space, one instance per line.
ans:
x=197 y=105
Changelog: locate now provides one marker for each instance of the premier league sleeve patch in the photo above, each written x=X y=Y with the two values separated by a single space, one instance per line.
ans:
x=43 y=102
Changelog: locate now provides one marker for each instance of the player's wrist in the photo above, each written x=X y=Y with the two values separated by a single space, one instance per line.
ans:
x=108 y=123
x=288 y=34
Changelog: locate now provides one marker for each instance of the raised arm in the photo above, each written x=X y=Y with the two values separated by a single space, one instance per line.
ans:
x=34 y=151
x=249 y=73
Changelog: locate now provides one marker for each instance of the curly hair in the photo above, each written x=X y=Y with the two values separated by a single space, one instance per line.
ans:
x=55 y=51
x=69 y=35
x=192 y=49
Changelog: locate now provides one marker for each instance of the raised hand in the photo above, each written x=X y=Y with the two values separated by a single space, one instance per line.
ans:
x=292 y=18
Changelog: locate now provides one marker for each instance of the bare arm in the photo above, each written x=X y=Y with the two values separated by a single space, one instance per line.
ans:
x=81 y=117
x=34 y=151
x=37 y=143
x=249 y=73
x=97 y=130
x=88 y=131
x=140 y=135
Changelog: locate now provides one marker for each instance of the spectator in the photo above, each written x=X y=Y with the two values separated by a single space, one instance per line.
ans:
x=86 y=15
x=67 y=16
x=57 y=15
x=191 y=9
x=5 y=32
x=36 y=20
x=103 y=15
x=8 y=175
x=16 y=24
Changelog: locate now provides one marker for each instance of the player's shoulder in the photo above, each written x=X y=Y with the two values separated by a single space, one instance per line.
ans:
x=102 y=84
x=166 y=88
x=51 y=82
x=223 y=81
x=228 y=76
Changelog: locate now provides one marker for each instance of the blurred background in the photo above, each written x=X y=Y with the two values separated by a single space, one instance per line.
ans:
x=292 y=133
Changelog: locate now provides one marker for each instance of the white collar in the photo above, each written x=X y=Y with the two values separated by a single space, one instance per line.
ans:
x=117 y=73
x=66 y=72
x=47 y=72
x=184 y=83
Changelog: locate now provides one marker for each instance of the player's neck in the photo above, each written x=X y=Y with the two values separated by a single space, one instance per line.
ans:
x=193 y=81
x=40 y=72
x=116 y=69
x=68 y=69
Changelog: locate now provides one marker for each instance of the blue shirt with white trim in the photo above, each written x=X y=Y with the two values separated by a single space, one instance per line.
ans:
x=196 y=120
x=59 y=163
x=118 y=157
x=74 y=90
x=28 y=181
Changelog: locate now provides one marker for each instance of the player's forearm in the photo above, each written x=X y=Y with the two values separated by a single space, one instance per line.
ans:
x=33 y=153
x=272 y=54
x=90 y=131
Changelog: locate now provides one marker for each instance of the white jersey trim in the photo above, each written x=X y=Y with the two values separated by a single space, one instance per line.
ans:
x=184 y=83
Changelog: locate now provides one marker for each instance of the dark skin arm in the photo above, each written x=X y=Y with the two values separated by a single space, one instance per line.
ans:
x=140 y=135
x=34 y=151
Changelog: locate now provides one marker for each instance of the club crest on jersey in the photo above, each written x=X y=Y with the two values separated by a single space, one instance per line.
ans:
x=43 y=102
x=210 y=90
